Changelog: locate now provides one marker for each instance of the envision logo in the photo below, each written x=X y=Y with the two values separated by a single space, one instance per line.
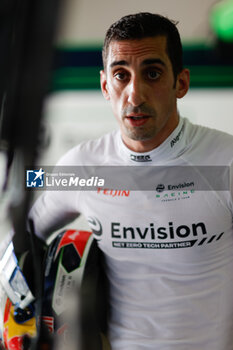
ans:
x=169 y=196
x=180 y=186
x=95 y=225
x=160 y=188
x=152 y=232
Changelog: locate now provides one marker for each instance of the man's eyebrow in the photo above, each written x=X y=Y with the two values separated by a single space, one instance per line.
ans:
x=146 y=62
x=153 y=61
x=119 y=63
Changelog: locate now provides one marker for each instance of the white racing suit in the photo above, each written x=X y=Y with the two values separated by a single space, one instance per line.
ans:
x=167 y=236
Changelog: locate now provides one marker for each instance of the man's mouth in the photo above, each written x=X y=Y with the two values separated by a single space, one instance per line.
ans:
x=137 y=120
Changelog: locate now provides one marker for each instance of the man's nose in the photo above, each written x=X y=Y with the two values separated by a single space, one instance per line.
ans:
x=136 y=92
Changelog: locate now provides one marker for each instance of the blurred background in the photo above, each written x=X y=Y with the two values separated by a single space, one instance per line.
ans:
x=75 y=110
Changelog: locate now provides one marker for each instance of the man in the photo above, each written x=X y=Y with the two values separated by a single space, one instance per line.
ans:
x=168 y=249
x=142 y=83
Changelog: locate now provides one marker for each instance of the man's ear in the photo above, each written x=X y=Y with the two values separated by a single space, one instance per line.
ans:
x=182 y=83
x=103 y=84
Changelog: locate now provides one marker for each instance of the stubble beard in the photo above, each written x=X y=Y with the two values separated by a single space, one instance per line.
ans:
x=140 y=133
x=144 y=132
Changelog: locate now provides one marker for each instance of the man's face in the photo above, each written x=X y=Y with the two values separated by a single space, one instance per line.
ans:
x=139 y=82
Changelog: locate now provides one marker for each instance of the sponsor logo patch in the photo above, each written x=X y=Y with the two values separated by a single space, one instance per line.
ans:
x=113 y=193
x=177 y=138
x=95 y=226
x=140 y=158
x=163 y=237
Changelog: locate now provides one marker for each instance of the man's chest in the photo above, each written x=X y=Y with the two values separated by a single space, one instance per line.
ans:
x=184 y=225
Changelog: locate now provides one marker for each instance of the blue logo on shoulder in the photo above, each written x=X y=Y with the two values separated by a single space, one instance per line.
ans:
x=35 y=178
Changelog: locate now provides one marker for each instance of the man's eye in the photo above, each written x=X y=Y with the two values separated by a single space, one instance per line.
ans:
x=120 y=76
x=152 y=74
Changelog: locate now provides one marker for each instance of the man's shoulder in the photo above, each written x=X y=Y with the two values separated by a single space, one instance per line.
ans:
x=92 y=151
x=214 y=136
x=216 y=145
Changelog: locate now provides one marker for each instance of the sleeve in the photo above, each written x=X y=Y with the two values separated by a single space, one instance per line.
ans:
x=52 y=211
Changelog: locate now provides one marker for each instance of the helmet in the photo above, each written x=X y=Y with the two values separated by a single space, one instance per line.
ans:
x=74 y=305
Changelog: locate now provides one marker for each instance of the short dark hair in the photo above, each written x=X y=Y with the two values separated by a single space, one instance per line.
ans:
x=142 y=25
